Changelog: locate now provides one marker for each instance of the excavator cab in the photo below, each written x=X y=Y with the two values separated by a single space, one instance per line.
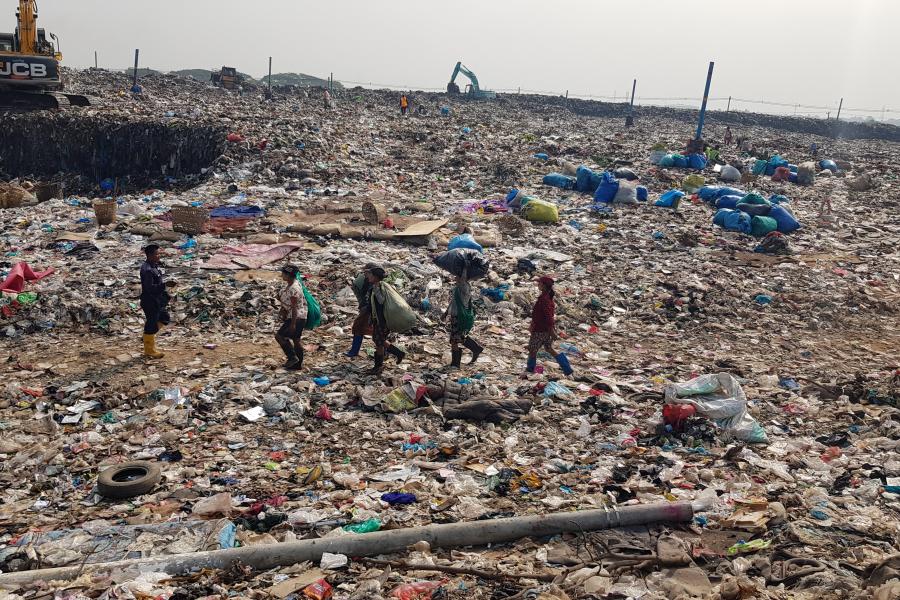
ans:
x=29 y=66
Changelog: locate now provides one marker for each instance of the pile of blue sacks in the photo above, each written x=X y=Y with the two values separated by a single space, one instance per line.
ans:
x=748 y=212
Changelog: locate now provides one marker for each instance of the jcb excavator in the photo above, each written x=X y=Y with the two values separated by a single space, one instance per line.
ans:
x=472 y=89
x=29 y=66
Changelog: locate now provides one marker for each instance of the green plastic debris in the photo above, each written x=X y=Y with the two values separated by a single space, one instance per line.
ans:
x=365 y=527
x=27 y=298
x=748 y=547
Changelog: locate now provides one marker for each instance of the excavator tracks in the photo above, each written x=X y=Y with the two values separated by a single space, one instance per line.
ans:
x=28 y=101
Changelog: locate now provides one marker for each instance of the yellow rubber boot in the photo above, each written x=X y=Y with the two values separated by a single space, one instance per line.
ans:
x=150 y=346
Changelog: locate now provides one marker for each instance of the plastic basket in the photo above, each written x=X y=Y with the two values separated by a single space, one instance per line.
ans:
x=189 y=219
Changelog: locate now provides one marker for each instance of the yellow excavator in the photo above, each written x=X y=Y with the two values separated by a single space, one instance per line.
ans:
x=30 y=75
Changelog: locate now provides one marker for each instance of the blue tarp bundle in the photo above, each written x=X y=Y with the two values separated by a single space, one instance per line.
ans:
x=560 y=181
x=586 y=180
x=786 y=221
x=237 y=212
x=733 y=220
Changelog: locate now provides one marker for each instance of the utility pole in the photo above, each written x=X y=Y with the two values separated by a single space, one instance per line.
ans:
x=96 y=66
x=728 y=108
x=838 y=117
x=270 y=77
x=137 y=53
x=331 y=82
x=699 y=135
x=629 y=120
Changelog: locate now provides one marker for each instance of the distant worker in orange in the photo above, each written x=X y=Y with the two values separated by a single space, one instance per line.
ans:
x=404 y=105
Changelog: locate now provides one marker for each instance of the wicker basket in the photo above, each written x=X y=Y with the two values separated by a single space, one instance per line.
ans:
x=105 y=211
x=189 y=219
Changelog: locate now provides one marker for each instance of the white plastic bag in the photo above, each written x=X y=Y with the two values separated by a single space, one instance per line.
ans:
x=721 y=399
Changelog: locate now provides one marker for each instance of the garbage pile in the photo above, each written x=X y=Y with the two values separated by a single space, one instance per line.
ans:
x=747 y=385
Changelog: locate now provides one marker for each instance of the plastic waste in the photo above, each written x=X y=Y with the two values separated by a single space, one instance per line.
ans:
x=728 y=201
x=586 y=180
x=692 y=183
x=218 y=504
x=458 y=260
x=626 y=194
x=696 y=161
x=464 y=240
x=399 y=316
x=670 y=199
x=761 y=226
x=642 y=193
x=606 y=191
x=729 y=173
x=720 y=398
x=421 y=590
x=560 y=181
x=784 y=219
x=541 y=211
x=367 y=526
x=732 y=220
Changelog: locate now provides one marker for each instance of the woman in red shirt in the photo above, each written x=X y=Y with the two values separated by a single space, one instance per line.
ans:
x=543 y=327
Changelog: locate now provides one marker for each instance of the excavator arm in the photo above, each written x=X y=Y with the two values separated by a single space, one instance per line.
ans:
x=27 y=22
x=474 y=90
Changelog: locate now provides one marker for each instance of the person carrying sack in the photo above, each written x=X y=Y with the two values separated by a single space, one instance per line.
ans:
x=462 y=319
x=293 y=311
x=381 y=333
x=362 y=324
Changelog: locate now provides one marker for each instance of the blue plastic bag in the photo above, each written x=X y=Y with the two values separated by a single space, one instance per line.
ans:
x=641 y=193
x=542 y=156
x=730 y=201
x=696 y=161
x=586 y=180
x=778 y=199
x=464 y=240
x=682 y=162
x=786 y=221
x=792 y=168
x=667 y=161
x=733 y=220
x=670 y=199
x=828 y=164
x=560 y=181
x=708 y=192
x=792 y=178
x=607 y=189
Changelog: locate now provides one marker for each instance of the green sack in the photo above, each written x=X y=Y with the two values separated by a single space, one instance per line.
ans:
x=313 y=310
x=754 y=198
x=399 y=316
x=465 y=317
x=762 y=226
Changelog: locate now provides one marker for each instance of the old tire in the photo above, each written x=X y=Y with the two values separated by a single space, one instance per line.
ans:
x=128 y=479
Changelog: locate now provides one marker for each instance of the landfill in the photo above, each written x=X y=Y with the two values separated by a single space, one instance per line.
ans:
x=727 y=360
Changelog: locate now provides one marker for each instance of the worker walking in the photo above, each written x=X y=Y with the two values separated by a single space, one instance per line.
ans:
x=462 y=319
x=154 y=299
x=381 y=333
x=404 y=105
x=292 y=311
x=543 y=327
x=728 y=136
x=327 y=97
x=362 y=324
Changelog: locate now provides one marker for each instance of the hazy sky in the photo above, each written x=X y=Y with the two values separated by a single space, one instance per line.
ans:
x=795 y=51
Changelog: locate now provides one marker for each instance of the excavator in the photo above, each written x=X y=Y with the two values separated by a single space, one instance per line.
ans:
x=472 y=89
x=30 y=75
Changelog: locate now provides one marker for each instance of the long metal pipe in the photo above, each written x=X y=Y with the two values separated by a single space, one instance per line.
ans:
x=470 y=533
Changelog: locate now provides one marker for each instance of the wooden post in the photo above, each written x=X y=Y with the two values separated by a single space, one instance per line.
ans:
x=838 y=117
